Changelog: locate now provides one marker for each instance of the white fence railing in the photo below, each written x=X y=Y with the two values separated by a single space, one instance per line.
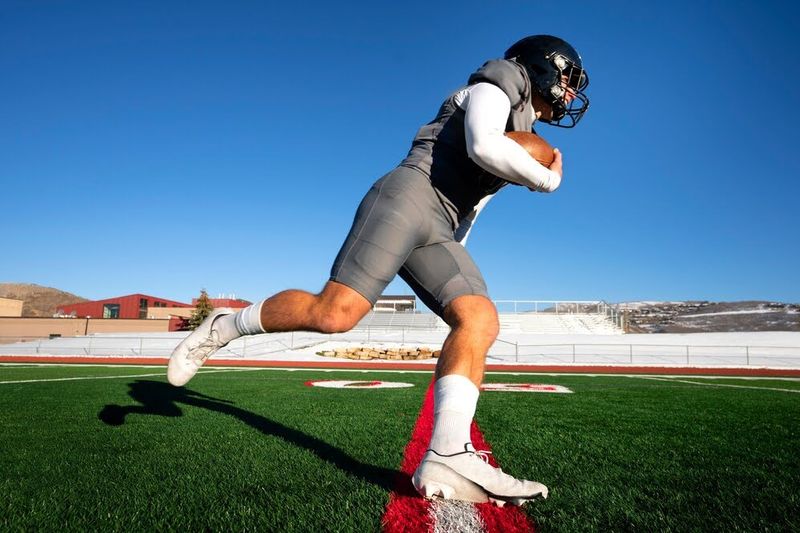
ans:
x=505 y=350
x=648 y=354
x=562 y=307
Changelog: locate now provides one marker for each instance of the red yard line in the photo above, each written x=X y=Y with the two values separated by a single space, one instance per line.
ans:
x=498 y=519
x=407 y=512
x=582 y=369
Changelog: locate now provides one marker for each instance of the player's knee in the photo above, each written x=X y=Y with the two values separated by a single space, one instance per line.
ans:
x=476 y=313
x=489 y=324
x=338 y=308
x=336 y=316
x=335 y=321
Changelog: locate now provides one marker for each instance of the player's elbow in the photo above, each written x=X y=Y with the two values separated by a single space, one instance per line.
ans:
x=475 y=151
x=481 y=153
x=551 y=185
x=550 y=181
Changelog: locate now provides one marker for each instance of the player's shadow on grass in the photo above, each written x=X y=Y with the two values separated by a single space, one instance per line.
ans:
x=162 y=399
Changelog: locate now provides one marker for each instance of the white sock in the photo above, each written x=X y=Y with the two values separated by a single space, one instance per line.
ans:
x=245 y=322
x=455 y=398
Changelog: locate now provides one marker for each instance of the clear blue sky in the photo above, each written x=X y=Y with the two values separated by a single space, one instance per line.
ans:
x=163 y=147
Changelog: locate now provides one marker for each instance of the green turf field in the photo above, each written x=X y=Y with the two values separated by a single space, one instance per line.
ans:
x=258 y=450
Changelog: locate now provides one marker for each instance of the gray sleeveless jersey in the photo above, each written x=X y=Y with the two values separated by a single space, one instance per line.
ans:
x=414 y=220
x=439 y=149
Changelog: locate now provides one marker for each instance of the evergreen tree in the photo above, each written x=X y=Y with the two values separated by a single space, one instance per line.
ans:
x=202 y=309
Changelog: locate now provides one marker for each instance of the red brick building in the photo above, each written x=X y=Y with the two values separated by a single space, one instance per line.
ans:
x=233 y=303
x=130 y=306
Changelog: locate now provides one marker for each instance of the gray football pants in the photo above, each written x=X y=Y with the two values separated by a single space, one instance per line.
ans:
x=401 y=227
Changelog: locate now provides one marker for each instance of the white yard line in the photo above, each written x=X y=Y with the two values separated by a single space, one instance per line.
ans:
x=453 y=516
x=671 y=380
x=744 y=378
x=594 y=375
x=82 y=378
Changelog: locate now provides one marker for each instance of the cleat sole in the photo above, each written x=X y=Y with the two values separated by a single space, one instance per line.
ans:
x=499 y=503
x=518 y=500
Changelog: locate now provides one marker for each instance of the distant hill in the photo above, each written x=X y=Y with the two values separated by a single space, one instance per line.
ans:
x=707 y=317
x=38 y=301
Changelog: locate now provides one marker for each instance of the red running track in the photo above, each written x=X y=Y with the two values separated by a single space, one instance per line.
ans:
x=352 y=365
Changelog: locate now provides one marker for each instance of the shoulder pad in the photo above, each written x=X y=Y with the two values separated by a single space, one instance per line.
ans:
x=508 y=76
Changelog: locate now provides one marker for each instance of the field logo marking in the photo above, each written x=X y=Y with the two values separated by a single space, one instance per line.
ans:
x=345 y=384
x=525 y=387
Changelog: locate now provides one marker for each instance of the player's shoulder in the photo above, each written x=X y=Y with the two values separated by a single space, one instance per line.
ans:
x=505 y=74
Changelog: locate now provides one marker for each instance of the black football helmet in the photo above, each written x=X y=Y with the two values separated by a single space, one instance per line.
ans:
x=547 y=59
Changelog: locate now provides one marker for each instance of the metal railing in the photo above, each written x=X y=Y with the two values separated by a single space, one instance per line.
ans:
x=550 y=306
x=563 y=307
x=648 y=354
x=618 y=354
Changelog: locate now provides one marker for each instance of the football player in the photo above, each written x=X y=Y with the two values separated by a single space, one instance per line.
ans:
x=414 y=222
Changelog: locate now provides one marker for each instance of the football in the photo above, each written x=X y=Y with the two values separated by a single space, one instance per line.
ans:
x=537 y=147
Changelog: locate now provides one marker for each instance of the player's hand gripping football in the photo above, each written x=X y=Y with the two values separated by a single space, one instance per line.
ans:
x=539 y=149
x=555 y=166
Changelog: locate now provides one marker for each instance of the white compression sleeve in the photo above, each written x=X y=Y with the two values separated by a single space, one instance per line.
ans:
x=487 y=108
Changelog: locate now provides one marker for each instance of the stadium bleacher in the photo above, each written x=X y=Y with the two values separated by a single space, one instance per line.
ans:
x=572 y=324
x=589 y=323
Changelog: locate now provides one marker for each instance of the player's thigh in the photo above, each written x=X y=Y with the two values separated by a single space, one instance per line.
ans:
x=439 y=273
x=387 y=227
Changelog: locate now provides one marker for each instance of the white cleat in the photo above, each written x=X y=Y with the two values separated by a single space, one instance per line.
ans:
x=194 y=350
x=471 y=478
x=433 y=489
x=435 y=479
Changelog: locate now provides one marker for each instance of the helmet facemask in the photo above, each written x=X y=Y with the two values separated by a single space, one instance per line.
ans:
x=568 y=77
